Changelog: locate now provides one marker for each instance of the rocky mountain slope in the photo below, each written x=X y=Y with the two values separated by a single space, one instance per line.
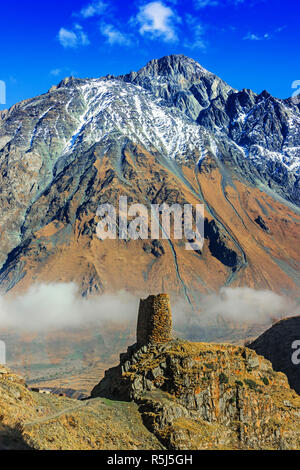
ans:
x=278 y=344
x=264 y=129
x=172 y=132
x=181 y=396
x=32 y=421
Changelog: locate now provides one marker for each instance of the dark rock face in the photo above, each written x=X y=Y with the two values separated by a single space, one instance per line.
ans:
x=182 y=82
x=218 y=247
x=276 y=345
x=155 y=248
x=260 y=221
x=266 y=129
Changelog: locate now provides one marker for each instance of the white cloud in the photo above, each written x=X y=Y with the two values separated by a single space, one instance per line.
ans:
x=242 y=305
x=222 y=3
x=93 y=9
x=251 y=37
x=55 y=72
x=206 y=3
x=255 y=37
x=73 y=38
x=245 y=304
x=263 y=37
x=82 y=36
x=281 y=28
x=114 y=36
x=157 y=20
x=66 y=71
x=67 y=38
x=198 y=30
x=53 y=306
x=45 y=307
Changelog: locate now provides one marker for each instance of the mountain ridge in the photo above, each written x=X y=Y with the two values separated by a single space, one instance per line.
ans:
x=234 y=113
x=86 y=140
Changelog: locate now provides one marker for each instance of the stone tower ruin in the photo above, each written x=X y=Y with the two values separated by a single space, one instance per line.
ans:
x=154 y=320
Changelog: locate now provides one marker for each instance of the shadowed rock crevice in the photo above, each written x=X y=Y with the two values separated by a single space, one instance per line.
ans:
x=12 y=439
x=217 y=246
x=260 y=221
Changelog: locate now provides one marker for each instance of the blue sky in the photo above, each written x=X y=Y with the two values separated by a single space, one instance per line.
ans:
x=249 y=43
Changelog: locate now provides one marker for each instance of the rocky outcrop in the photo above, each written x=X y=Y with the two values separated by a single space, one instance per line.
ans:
x=178 y=395
x=279 y=344
x=201 y=395
x=166 y=394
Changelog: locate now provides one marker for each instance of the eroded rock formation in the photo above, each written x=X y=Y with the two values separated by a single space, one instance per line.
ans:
x=201 y=395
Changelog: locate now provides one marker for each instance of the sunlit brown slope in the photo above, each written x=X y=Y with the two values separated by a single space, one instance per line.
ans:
x=251 y=238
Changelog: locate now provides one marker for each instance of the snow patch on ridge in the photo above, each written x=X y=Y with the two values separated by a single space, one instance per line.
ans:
x=116 y=106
